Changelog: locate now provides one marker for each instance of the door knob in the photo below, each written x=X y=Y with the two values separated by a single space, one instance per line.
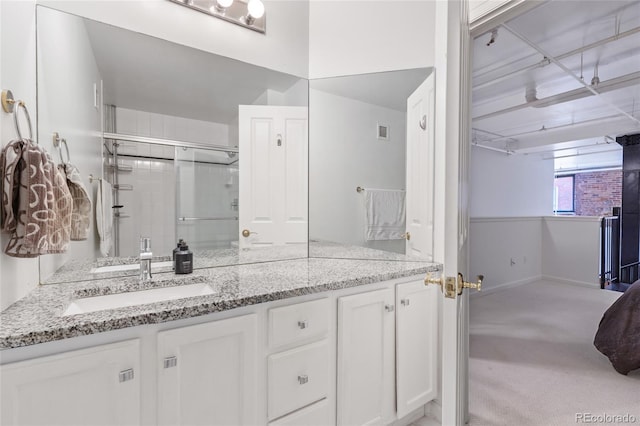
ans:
x=406 y=236
x=246 y=233
x=464 y=284
x=430 y=280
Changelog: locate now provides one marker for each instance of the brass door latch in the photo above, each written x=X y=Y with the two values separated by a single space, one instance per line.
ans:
x=452 y=286
x=463 y=284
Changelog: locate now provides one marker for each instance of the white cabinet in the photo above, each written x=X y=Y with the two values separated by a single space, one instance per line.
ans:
x=416 y=346
x=384 y=374
x=298 y=323
x=366 y=358
x=297 y=378
x=96 y=386
x=207 y=373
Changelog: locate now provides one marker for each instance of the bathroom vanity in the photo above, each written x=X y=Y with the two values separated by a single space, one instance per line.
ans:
x=313 y=341
x=265 y=330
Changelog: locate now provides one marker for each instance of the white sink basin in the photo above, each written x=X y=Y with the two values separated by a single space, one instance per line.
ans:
x=129 y=267
x=132 y=298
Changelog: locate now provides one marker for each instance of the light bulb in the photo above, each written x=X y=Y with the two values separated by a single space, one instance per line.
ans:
x=220 y=6
x=255 y=8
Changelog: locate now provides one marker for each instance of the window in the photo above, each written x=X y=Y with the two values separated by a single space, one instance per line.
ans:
x=564 y=194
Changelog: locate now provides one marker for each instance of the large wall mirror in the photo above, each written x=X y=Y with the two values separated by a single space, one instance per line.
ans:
x=370 y=180
x=181 y=144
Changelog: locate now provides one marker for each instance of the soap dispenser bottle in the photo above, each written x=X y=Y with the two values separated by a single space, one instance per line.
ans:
x=184 y=259
x=176 y=250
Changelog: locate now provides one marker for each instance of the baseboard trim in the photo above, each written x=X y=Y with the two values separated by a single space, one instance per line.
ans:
x=571 y=282
x=505 y=286
x=416 y=414
x=433 y=409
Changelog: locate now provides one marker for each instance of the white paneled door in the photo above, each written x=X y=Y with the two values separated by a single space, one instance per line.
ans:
x=273 y=175
x=416 y=346
x=420 y=172
x=366 y=358
x=95 y=386
x=207 y=373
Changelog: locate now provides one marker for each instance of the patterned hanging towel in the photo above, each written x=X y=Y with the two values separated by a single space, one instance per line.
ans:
x=36 y=202
x=82 y=208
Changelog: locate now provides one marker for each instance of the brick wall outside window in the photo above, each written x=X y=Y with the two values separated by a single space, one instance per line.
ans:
x=597 y=192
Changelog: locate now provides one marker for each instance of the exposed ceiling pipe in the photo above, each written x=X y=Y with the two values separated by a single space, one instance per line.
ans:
x=476 y=130
x=568 y=71
x=548 y=151
x=490 y=148
x=563 y=126
x=571 y=95
x=546 y=61
x=579 y=154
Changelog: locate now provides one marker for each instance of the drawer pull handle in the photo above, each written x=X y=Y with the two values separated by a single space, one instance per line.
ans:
x=303 y=379
x=171 y=361
x=405 y=302
x=303 y=324
x=389 y=308
x=126 y=375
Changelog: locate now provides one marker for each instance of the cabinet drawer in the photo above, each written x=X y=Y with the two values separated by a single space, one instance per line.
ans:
x=297 y=378
x=298 y=323
x=318 y=414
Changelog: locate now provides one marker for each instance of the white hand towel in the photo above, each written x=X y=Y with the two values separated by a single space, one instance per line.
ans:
x=81 y=213
x=385 y=214
x=104 y=216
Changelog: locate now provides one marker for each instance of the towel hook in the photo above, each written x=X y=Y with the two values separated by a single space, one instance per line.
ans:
x=10 y=105
x=57 y=142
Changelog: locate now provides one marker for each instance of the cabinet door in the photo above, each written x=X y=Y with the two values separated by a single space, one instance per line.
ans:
x=207 y=373
x=366 y=358
x=416 y=346
x=96 y=386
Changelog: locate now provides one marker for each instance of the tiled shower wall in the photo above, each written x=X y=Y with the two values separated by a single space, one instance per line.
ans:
x=205 y=190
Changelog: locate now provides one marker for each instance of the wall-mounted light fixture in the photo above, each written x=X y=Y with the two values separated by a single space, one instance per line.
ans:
x=246 y=13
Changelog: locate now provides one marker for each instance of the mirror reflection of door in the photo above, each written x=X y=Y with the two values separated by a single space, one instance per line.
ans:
x=273 y=184
x=420 y=170
x=367 y=139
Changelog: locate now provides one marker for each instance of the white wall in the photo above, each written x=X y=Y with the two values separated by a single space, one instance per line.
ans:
x=354 y=37
x=570 y=249
x=143 y=123
x=509 y=185
x=558 y=248
x=18 y=74
x=285 y=47
x=345 y=154
x=66 y=104
x=495 y=242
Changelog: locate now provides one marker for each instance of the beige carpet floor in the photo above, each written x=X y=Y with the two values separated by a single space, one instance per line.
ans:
x=532 y=359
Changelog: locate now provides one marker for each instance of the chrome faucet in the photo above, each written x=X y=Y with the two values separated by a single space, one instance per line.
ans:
x=145 y=258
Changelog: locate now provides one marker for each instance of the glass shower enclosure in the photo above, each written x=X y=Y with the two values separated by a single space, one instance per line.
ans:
x=170 y=190
x=206 y=198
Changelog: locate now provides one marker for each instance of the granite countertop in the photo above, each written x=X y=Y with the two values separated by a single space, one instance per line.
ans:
x=37 y=318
